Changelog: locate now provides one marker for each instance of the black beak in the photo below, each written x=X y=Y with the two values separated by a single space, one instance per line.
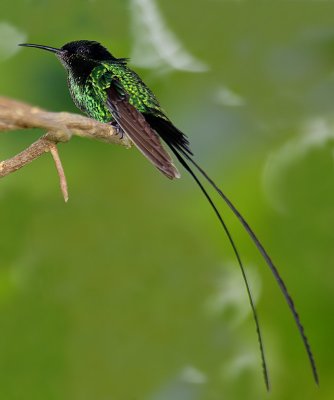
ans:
x=39 y=46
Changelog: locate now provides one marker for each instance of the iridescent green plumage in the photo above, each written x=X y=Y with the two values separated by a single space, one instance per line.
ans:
x=106 y=89
x=92 y=97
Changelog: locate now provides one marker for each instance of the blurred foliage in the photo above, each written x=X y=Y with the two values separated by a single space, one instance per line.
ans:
x=131 y=291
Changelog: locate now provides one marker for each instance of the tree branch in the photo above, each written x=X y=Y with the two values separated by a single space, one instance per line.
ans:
x=17 y=115
x=60 y=126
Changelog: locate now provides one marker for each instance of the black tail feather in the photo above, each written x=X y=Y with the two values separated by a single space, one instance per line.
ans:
x=179 y=144
x=243 y=272
x=169 y=133
x=270 y=264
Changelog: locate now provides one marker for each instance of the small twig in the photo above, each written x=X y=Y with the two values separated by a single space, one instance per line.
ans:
x=60 y=126
x=60 y=170
x=24 y=158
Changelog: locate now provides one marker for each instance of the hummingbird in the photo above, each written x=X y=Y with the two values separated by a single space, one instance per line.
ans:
x=107 y=90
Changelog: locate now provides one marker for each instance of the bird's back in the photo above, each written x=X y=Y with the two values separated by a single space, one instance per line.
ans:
x=92 y=97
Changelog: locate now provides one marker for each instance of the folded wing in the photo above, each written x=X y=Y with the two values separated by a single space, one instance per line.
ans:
x=140 y=132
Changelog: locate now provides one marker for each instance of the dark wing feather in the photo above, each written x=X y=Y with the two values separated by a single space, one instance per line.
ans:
x=140 y=132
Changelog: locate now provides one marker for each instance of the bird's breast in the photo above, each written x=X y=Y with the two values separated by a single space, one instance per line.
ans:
x=90 y=99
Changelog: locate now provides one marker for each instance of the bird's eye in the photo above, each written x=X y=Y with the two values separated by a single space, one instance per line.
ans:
x=83 y=51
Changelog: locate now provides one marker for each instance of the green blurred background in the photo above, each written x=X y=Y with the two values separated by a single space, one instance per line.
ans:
x=131 y=291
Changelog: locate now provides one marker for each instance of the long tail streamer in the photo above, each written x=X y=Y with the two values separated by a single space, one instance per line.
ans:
x=180 y=153
x=243 y=272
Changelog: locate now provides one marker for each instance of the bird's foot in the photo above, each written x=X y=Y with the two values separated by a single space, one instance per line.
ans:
x=118 y=129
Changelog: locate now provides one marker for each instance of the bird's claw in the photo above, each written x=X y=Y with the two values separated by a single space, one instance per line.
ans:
x=118 y=129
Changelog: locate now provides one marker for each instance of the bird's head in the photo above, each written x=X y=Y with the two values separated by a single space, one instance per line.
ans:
x=78 y=57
